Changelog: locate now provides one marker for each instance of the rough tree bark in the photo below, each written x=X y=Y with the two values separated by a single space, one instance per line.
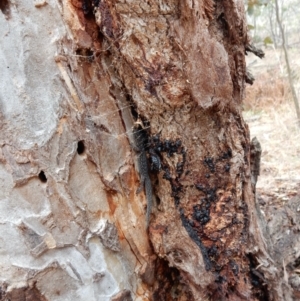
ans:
x=75 y=76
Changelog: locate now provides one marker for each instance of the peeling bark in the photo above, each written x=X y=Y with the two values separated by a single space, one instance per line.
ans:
x=69 y=195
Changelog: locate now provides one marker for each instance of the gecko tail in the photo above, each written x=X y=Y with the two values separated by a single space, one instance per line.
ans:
x=148 y=216
x=149 y=196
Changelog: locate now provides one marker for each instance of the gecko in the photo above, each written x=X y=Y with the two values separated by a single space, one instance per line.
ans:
x=139 y=147
x=255 y=157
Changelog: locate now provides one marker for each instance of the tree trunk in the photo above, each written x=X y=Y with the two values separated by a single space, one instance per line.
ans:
x=76 y=76
x=272 y=25
x=287 y=62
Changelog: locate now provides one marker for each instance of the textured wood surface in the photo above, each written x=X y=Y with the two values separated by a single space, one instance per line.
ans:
x=69 y=175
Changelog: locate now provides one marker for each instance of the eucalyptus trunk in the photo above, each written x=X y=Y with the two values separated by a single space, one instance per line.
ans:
x=75 y=78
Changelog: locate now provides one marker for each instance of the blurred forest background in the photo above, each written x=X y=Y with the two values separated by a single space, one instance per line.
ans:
x=269 y=105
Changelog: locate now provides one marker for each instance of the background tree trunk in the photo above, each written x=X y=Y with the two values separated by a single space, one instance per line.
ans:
x=287 y=61
x=75 y=77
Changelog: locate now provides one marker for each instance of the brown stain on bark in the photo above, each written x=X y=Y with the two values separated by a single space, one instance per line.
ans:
x=111 y=203
x=5 y=8
x=23 y=294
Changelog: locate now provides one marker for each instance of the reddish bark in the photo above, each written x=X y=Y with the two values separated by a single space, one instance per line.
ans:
x=181 y=65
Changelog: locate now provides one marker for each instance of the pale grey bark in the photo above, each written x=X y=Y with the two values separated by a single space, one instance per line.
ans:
x=54 y=240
